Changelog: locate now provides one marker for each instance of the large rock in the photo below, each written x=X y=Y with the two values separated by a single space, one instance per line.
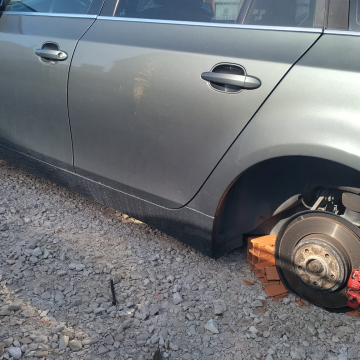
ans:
x=57 y=329
x=154 y=310
x=79 y=267
x=257 y=303
x=347 y=329
x=64 y=342
x=15 y=306
x=37 y=252
x=2 y=349
x=295 y=355
x=219 y=307
x=177 y=298
x=253 y=330
x=212 y=326
x=75 y=345
x=173 y=346
x=119 y=337
x=41 y=354
x=238 y=356
x=207 y=351
x=99 y=310
x=109 y=340
x=15 y=352
x=154 y=339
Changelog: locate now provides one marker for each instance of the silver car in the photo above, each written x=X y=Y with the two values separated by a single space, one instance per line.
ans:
x=211 y=120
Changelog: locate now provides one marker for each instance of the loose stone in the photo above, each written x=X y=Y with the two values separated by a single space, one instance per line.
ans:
x=212 y=326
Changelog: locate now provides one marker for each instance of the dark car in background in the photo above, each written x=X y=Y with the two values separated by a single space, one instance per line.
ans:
x=211 y=120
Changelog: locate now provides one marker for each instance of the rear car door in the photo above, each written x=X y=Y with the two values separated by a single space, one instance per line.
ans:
x=37 y=41
x=154 y=95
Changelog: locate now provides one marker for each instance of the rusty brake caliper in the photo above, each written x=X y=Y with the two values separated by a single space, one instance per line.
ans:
x=353 y=289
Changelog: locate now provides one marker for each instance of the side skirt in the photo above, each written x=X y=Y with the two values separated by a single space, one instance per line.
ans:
x=189 y=226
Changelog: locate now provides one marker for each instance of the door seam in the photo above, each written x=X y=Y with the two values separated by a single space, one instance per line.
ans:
x=243 y=129
x=67 y=87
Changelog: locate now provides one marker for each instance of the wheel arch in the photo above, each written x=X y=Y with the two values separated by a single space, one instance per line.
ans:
x=250 y=202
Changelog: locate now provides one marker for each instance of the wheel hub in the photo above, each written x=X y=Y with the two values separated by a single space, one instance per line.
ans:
x=315 y=252
x=319 y=265
x=314 y=266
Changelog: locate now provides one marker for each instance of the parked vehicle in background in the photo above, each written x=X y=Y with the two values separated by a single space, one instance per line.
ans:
x=210 y=120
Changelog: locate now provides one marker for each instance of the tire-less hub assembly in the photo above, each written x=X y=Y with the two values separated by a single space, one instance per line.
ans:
x=315 y=255
x=318 y=264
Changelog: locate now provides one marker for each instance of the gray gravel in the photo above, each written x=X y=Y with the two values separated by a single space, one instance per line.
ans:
x=58 y=252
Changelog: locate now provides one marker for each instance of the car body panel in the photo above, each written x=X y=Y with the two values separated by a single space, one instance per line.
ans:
x=33 y=108
x=144 y=122
x=314 y=113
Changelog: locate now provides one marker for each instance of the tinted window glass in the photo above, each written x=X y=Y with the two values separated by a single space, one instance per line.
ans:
x=48 y=6
x=256 y=12
x=299 y=13
x=354 y=21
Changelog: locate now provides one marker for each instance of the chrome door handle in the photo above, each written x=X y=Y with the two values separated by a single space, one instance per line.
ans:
x=52 y=54
x=243 y=81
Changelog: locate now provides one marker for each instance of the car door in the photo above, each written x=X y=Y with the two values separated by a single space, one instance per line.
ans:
x=37 y=41
x=159 y=90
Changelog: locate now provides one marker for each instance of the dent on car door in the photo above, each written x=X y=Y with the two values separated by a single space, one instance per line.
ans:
x=159 y=90
x=37 y=41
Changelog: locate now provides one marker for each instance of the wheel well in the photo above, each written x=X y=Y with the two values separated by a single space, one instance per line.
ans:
x=263 y=195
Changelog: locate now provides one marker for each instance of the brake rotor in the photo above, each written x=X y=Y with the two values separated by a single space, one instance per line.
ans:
x=315 y=252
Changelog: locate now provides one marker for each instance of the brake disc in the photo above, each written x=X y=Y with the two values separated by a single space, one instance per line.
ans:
x=315 y=252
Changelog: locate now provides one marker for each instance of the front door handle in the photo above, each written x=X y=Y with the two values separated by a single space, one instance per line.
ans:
x=52 y=54
x=242 y=81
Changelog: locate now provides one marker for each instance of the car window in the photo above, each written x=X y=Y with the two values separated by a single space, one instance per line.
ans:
x=256 y=12
x=298 y=13
x=354 y=18
x=48 y=6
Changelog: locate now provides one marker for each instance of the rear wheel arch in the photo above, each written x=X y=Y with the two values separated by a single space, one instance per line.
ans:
x=249 y=203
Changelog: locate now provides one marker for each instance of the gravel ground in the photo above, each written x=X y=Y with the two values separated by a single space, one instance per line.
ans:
x=59 y=251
